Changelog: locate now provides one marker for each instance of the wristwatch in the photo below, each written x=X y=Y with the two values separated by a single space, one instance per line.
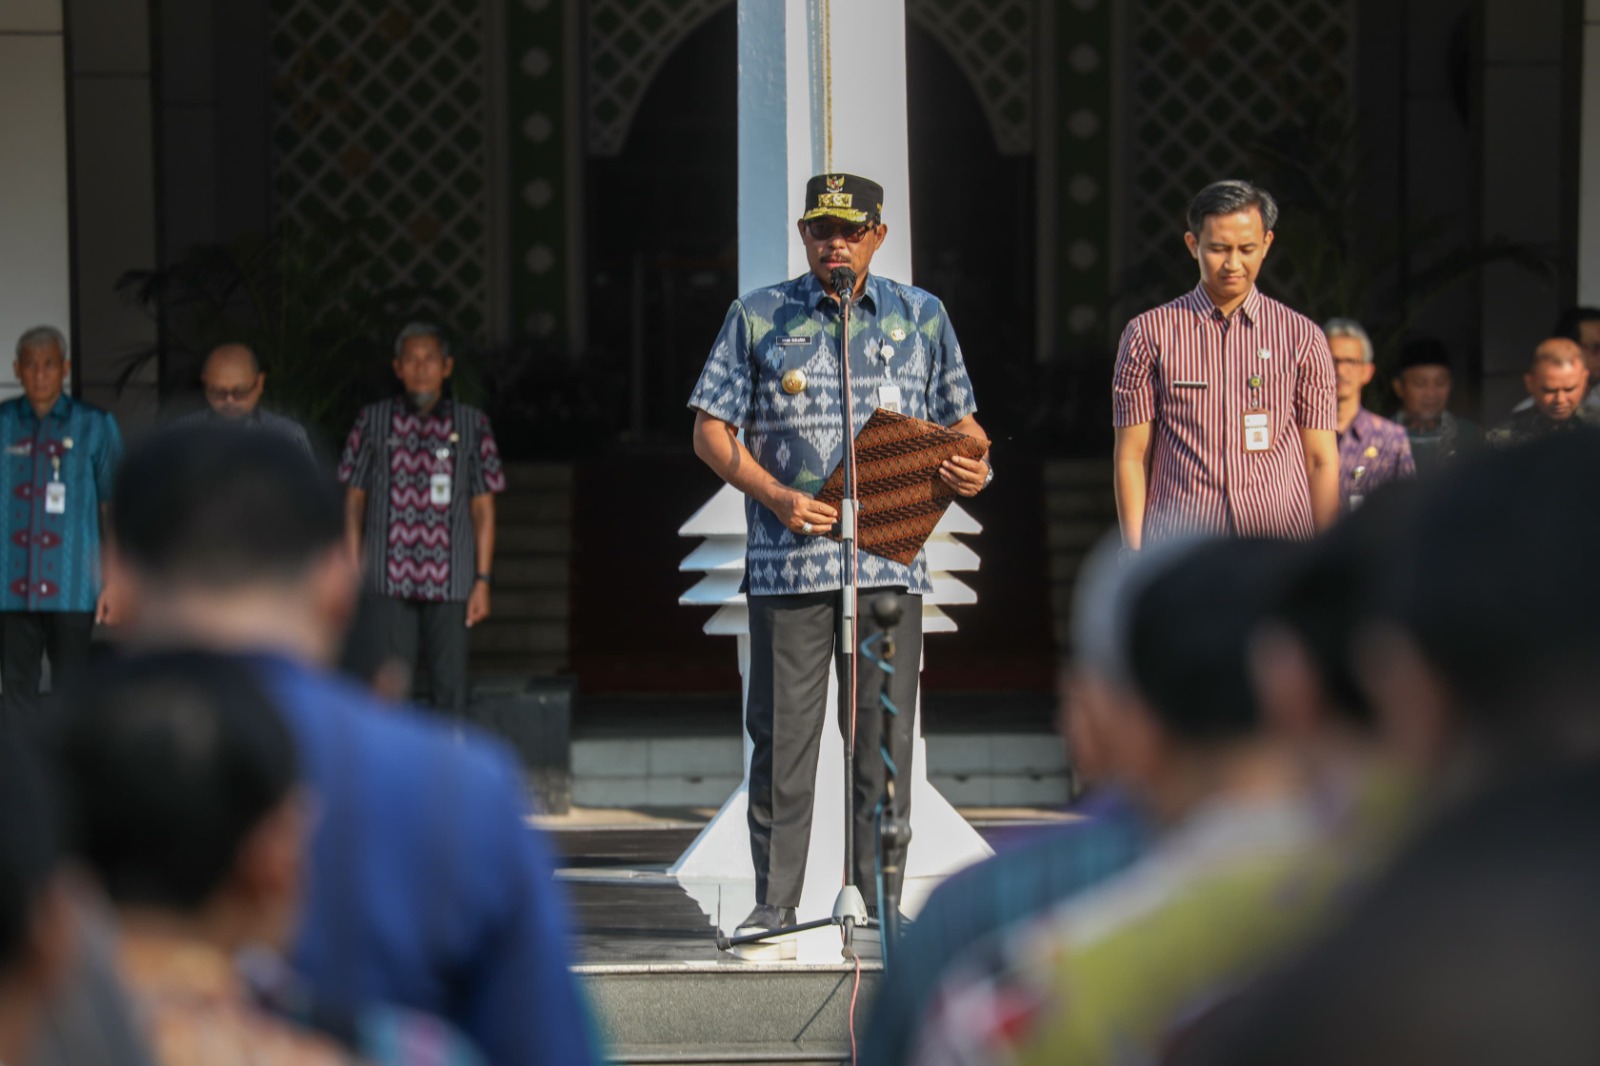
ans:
x=485 y=578
x=990 y=475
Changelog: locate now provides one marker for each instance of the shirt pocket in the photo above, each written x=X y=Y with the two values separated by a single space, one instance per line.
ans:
x=1185 y=387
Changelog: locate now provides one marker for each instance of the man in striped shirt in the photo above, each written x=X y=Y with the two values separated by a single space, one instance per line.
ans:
x=1223 y=400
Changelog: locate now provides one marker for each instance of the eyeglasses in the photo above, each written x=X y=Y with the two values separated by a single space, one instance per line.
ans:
x=237 y=394
x=824 y=229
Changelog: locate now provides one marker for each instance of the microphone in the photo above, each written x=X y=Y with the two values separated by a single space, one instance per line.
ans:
x=844 y=283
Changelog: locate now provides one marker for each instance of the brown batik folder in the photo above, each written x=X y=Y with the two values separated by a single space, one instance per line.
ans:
x=901 y=494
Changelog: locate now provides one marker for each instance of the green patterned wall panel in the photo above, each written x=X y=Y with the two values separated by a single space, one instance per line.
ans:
x=380 y=116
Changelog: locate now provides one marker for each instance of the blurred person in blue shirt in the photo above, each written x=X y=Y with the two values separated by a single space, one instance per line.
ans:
x=427 y=888
x=55 y=481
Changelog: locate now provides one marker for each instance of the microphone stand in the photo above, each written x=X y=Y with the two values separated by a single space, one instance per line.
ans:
x=848 y=906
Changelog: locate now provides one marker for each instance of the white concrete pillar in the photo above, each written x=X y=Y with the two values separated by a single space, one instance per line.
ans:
x=802 y=74
x=35 y=259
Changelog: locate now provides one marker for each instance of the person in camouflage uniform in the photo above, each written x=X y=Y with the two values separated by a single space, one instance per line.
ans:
x=1557 y=380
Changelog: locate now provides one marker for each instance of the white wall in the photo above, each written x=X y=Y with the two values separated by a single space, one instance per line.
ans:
x=1589 y=162
x=35 y=266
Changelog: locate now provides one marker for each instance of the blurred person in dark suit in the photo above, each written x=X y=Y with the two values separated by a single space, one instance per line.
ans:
x=1479 y=943
x=1033 y=875
x=427 y=889
x=1237 y=874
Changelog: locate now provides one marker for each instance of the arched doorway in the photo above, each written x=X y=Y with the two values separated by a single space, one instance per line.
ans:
x=663 y=231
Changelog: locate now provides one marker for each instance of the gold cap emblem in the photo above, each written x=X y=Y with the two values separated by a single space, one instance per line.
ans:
x=835 y=182
x=794 y=382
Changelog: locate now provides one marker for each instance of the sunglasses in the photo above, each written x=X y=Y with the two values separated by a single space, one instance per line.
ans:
x=824 y=229
x=237 y=394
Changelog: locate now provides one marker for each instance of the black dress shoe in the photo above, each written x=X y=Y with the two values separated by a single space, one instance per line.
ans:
x=764 y=919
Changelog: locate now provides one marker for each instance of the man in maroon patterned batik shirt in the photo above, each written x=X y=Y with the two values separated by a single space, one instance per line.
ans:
x=420 y=473
x=1223 y=400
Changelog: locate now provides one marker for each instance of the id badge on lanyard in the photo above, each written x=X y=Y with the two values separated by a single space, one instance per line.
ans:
x=1257 y=430
x=439 y=483
x=1257 y=419
x=55 y=490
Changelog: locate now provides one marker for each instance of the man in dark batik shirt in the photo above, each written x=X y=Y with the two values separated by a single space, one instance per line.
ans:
x=1373 y=451
x=1422 y=381
x=420 y=474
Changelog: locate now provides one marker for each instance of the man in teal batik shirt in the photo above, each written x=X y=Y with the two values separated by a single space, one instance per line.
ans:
x=775 y=373
x=55 y=483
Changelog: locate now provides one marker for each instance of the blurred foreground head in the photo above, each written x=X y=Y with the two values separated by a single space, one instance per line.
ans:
x=1493 y=603
x=1160 y=674
x=36 y=941
x=1304 y=656
x=180 y=783
x=231 y=539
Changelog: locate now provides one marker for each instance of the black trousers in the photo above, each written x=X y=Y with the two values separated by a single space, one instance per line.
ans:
x=441 y=631
x=793 y=641
x=28 y=637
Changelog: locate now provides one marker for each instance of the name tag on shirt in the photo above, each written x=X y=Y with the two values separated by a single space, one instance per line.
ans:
x=439 y=490
x=1257 y=430
x=889 y=398
x=55 y=497
x=792 y=342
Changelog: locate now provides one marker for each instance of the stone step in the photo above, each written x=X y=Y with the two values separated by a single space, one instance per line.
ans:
x=1098 y=502
x=532 y=572
x=548 y=507
x=1075 y=535
x=548 y=638
x=513 y=539
x=1064 y=472
x=524 y=604
x=491 y=664
x=529 y=477
x=685 y=1013
x=977 y=770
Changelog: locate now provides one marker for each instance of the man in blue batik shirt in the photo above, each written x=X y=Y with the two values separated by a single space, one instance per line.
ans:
x=55 y=484
x=775 y=374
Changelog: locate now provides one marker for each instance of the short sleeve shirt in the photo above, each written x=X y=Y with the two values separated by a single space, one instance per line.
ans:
x=900 y=338
x=50 y=552
x=420 y=546
x=1194 y=374
x=285 y=427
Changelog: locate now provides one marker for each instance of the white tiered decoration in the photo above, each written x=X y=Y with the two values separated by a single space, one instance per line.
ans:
x=717 y=870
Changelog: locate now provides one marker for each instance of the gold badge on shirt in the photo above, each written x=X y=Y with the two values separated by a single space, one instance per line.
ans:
x=794 y=382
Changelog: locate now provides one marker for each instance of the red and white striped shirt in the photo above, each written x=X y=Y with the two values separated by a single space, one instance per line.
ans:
x=1194 y=374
